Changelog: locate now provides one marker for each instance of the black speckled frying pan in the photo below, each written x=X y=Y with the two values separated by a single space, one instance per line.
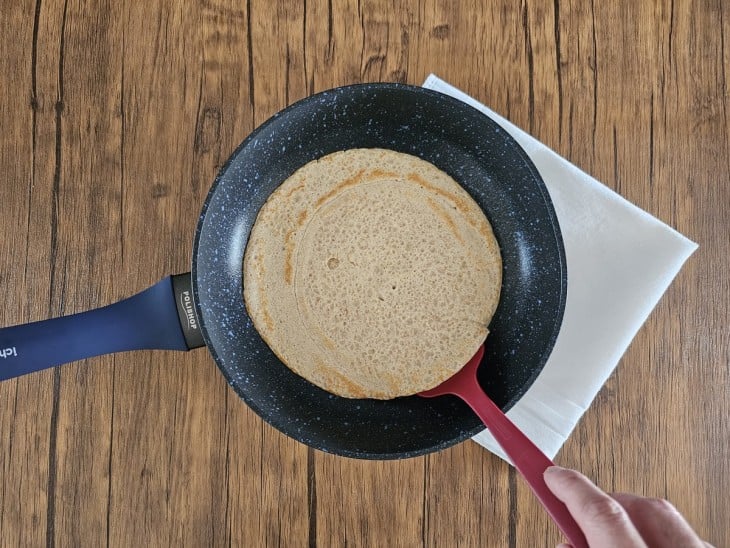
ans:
x=458 y=139
x=478 y=154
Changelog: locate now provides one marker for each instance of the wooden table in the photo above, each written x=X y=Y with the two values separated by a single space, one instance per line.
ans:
x=114 y=121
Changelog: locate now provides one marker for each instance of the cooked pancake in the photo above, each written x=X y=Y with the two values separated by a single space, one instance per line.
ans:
x=372 y=274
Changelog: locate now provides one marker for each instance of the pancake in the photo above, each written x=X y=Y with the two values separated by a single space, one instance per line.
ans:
x=372 y=274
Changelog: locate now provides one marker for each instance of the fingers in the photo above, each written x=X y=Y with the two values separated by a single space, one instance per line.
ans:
x=603 y=520
x=658 y=522
x=622 y=519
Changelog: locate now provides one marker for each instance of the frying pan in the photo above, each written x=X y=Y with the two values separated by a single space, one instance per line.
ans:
x=206 y=307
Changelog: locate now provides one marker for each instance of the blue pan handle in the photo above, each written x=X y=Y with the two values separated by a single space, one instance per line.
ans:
x=162 y=317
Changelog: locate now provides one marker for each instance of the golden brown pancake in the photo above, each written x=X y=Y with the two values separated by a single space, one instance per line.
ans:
x=372 y=274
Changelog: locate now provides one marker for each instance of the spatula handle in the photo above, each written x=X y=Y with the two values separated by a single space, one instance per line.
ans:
x=526 y=457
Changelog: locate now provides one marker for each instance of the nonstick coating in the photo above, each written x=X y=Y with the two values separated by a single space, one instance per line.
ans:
x=478 y=154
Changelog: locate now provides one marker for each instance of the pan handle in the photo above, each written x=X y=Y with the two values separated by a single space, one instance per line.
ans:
x=161 y=317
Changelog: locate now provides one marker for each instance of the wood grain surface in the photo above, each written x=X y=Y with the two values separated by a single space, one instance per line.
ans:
x=116 y=116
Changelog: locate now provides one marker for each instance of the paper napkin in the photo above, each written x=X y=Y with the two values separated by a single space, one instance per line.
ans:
x=620 y=261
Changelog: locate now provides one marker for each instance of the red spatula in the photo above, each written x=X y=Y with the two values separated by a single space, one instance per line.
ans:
x=525 y=455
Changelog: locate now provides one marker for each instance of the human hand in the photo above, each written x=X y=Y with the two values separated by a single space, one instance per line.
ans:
x=622 y=519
